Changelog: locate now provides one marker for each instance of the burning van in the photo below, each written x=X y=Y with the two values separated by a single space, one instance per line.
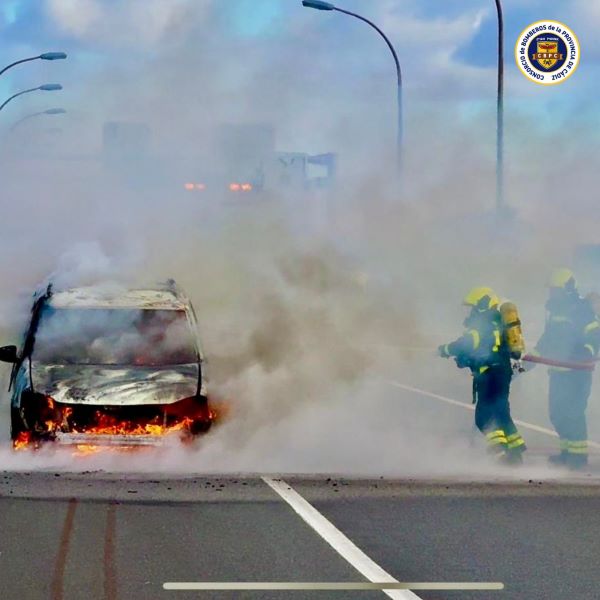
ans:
x=106 y=366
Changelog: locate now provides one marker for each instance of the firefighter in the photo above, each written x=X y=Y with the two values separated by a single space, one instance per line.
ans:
x=572 y=333
x=483 y=348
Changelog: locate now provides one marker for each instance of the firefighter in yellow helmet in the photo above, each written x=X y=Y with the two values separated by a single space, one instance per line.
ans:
x=572 y=334
x=483 y=349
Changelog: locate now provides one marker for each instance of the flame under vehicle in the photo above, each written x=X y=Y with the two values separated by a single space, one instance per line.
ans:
x=102 y=366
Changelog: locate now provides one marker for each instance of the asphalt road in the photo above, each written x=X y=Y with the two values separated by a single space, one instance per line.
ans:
x=106 y=535
x=76 y=536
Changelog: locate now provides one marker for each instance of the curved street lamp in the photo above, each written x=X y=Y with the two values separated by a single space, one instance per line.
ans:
x=319 y=5
x=500 y=204
x=44 y=56
x=47 y=87
x=49 y=111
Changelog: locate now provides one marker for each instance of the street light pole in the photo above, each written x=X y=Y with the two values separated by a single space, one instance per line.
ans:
x=47 y=87
x=319 y=5
x=50 y=111
x=500 y=202
x=44 y=56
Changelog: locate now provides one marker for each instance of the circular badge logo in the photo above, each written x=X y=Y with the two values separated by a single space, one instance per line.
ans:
x=547 y=52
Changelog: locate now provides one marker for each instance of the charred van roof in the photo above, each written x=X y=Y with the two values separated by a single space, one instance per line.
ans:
x=104 y=297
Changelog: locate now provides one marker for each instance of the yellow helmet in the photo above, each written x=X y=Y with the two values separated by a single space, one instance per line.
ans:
x=482 y=298
x=562 y=278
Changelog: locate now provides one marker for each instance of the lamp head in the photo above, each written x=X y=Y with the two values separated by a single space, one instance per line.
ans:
x=318 y=4
x=53 y=55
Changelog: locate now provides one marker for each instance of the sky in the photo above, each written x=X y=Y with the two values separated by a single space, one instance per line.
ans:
x=447 y=49
x=324 y=80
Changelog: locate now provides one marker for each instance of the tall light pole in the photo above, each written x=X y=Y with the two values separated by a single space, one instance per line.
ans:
x=49 y=111
x=500 y=202
x=44 y=56
x=47 y=87
x=319 y=5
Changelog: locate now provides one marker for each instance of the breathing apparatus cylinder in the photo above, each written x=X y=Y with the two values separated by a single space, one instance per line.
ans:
x=512 y=329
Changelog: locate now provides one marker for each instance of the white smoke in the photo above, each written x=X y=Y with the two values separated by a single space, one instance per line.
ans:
x=301 y=319
x=135 y=23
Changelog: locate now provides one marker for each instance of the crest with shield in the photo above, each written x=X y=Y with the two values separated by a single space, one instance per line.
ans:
x=547 y=54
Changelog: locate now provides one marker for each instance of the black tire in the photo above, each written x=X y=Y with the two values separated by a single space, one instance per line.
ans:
x=198 y=427
x=16 y=424
x=201 y=425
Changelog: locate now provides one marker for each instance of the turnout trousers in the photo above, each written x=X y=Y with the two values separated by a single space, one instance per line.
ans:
x=568 y=396
x=492 y=413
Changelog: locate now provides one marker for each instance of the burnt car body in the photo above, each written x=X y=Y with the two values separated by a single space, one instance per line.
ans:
x=108 y=366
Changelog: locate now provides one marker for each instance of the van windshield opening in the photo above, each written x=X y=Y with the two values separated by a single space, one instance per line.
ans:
x=115 y=336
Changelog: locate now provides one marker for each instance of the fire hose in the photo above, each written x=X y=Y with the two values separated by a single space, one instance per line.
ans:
x=565 y=364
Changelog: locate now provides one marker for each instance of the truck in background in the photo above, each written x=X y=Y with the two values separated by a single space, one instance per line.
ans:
x=245 y=160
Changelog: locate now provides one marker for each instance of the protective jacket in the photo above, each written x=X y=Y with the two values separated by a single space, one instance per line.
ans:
x=482 y=345
x=572 y=331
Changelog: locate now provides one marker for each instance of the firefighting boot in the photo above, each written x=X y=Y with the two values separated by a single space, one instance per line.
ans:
x=559 y=460
x=514 y=456
x=511 y=459
x=516 y=446
x=576 y=462
x=497 y=443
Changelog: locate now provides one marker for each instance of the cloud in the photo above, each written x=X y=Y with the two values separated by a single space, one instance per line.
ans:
x=431 y=32
x=133 y=23
x=75 y=17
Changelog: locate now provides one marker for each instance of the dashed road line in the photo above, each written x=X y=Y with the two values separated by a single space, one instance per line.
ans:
x=336 y=539
x=471 y=407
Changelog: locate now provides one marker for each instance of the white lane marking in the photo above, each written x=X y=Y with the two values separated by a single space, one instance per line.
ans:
x=336 y=539
x=523 y=424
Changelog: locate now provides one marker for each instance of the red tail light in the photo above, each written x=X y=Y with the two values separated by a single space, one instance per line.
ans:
x=191 y=187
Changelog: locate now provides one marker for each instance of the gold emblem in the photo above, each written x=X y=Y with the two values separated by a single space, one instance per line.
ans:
x=547 y=54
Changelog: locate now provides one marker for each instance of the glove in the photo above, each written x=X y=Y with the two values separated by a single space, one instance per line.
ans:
x=443 y=352
x=517 y=367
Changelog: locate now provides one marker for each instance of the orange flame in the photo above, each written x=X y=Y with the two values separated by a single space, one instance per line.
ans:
x=63 y=419
x=86 y=449
x=109 y=425
x=23 y=440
